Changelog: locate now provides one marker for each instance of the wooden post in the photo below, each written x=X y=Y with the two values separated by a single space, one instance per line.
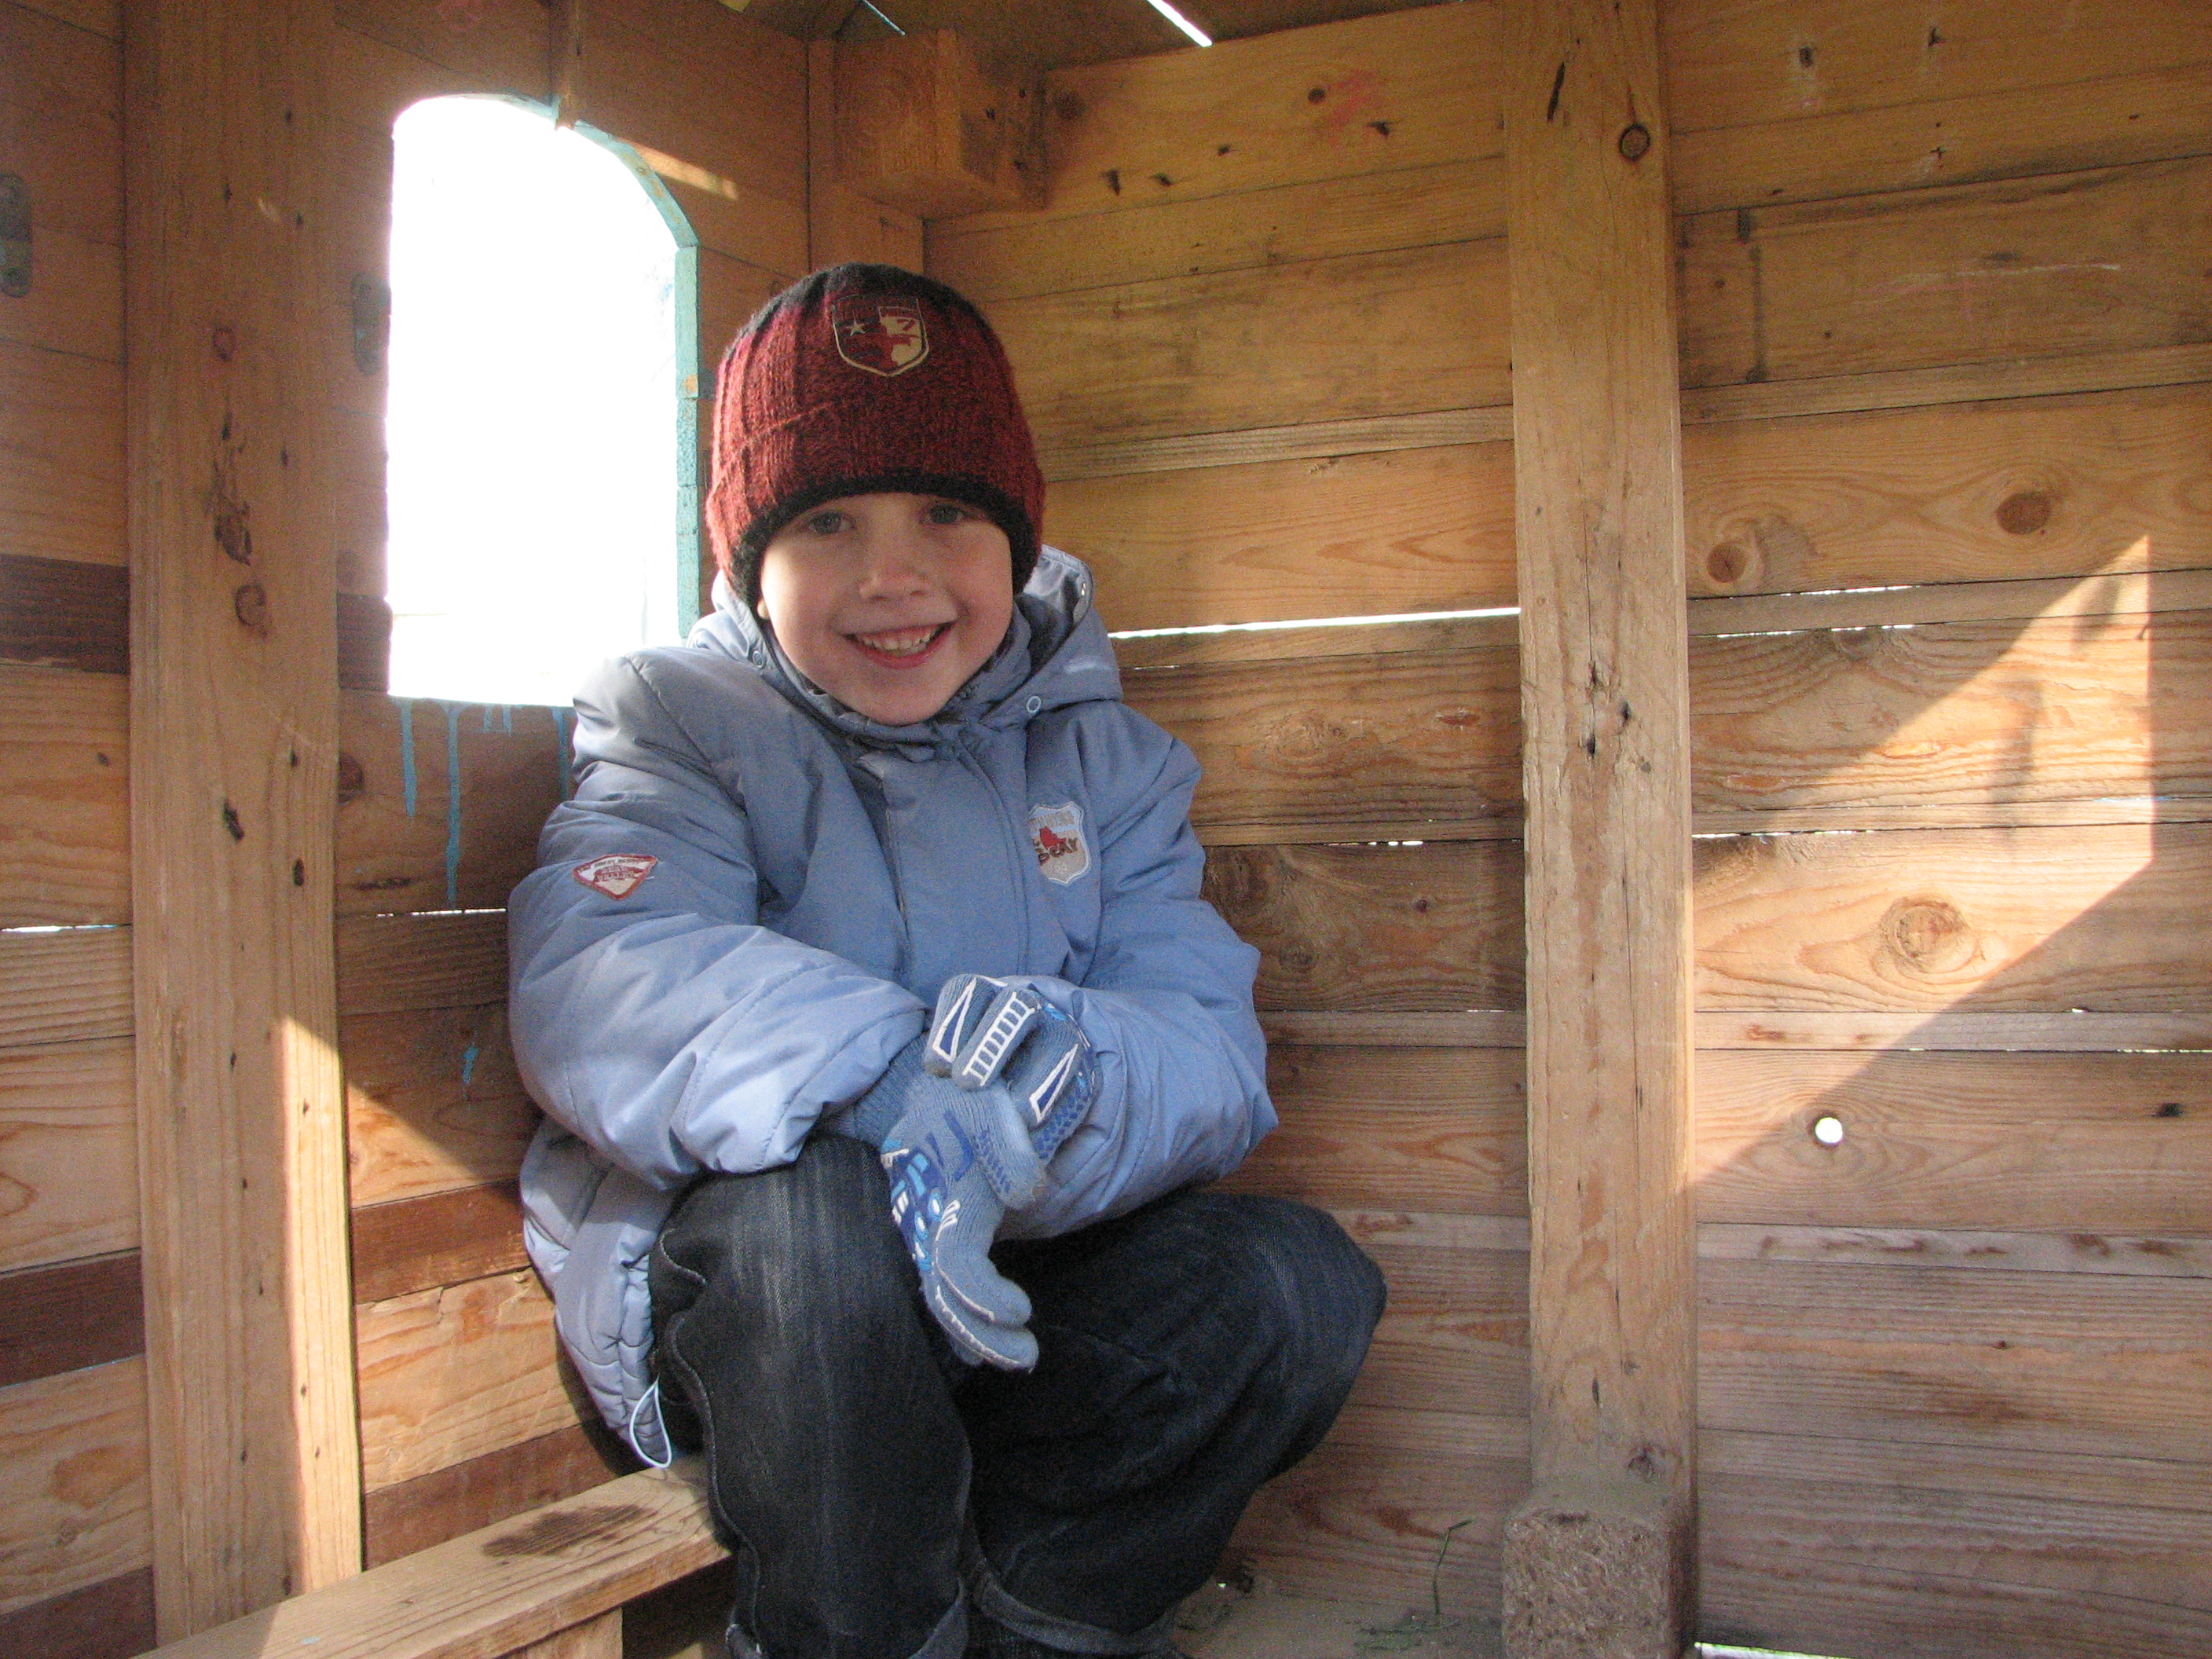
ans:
x=840 y=223
x=1599 y=1561
x=255 y=1462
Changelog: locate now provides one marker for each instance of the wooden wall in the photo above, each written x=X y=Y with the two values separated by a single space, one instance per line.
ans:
x=1944 y=333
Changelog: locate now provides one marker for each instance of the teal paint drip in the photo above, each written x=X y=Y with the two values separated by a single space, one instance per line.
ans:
x=507 y=719
x=560 y=717
x=468 y=1066
x=407 y=750
x=452 y=805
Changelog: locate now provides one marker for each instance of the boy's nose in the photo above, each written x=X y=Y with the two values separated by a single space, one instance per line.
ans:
x=893 y=563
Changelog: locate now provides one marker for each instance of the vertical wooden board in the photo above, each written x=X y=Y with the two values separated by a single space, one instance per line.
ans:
x=61 y=134
x=65 y=815
x=2043 y=487
x=1436 y=927
x=2112 y=918
x=361 y=529
x=2075 y=1143
x=1432 y=1130
x=1414 y=737
x=68 y=1161
x=61 y=455
x=1277 y=541
x=2085 y=262
x=2105 y=1365
x=841 y=224
x=500 y=44
x=69 y=985
x=2073 y=708
x=441 y=802
x=1327 y=339
x=433 y=1103
x=452 y=1374
x=72 y=1481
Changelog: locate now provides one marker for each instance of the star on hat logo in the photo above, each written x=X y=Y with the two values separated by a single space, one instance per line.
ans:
x=884 y=337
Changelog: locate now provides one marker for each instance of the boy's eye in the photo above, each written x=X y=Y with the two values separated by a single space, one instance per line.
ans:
x=949 y=513
x=826 y=523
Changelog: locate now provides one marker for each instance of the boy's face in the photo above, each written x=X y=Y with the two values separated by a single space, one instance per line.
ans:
x=889 y=602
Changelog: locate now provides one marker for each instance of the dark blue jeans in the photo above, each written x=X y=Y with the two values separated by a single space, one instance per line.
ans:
x=876 y=1491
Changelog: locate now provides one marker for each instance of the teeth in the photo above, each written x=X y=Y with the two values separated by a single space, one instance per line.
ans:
x=903 y=641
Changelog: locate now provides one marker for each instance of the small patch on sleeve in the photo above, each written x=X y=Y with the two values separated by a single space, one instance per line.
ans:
x=617 y=875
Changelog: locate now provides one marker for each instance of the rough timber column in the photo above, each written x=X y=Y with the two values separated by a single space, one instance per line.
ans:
x=1599 y=1562
x=234 y=719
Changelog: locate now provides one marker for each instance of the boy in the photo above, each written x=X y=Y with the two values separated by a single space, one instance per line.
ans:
x=891 y=773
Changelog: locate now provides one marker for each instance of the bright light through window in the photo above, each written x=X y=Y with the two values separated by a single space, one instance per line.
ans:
x=534 y=432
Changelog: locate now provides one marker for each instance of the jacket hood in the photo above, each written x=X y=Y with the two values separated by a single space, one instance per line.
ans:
x=1055 y=652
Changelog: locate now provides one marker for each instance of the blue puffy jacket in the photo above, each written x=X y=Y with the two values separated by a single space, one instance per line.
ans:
x=748 y=906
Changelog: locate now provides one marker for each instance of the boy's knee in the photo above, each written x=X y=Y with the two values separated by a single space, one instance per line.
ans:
x=1318 y=1293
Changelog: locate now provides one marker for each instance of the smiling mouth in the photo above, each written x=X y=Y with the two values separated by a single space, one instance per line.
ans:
x=901 y=644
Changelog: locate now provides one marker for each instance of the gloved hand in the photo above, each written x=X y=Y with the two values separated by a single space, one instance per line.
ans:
x=966 y=1116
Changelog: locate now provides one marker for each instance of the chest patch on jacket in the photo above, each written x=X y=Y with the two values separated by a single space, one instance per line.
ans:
x=617 y=874
x=1056 y=832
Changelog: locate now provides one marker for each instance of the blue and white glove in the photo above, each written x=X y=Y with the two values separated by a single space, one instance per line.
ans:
x=966 y=1117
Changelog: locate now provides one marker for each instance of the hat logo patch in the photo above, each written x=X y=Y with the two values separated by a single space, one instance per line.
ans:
x=617 y=875
x=884 y=337
x=1056 y=832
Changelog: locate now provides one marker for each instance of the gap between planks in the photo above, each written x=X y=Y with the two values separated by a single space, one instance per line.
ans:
x=1973 y=1032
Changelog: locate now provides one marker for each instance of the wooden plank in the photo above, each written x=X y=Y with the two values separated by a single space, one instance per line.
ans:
x=1455 y=1337
x=421 y=1243
x=2074 y=1031
x=2048 y=487
x=72 y=1482
x=100 y=16
x=442 y=801
x=424 y=1512
x=1309 y=440
x=1427 y=1130
x=597 y=1638
x=112 y=1619
x=1986 y=814
x=2104 y=1365
x=61 y=455
x=1923 y=1247
x=451 y=1374
x=68 y=1168
x=2113 y=920
x=1604 y=704
x=2075 y=1143
x=60 y=613
x=1730 y=64
x=1377 y=928
x=1362 y=335
x=68 y=1316
x=2068 y=263
x=1347 y=740
x=1433 y=1031
x=433 y=1102
x=2131 y=595
x=390 y=964
x=730 y=291
x=1455 y=201
x=1357 y=637
x=494 y=1591
x=61 y=132
x=69 y=985
x=65 y=816
x=1392 y=533
x=2154 y=115
x=841 y=224
x=255 y=1483
x=499 y=44
x=1963 y=714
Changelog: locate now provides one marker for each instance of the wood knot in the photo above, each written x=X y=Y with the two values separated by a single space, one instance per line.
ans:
x=1928 y=933
x=1635 y=141
x=225 y=341
x=1726 y=563
x=2024 y=512
x=251 y=606
x=1067 y=106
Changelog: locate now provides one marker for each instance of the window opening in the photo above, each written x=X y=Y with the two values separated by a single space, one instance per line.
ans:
x=542 y=425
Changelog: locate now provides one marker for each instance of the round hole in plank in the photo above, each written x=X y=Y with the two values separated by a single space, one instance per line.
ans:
x=1828 y=1131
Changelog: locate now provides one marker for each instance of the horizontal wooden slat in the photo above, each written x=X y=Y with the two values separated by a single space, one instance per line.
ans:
x=1730 y=64
x=63 y=613
x=1429 y=1130
x=426 y=1511
x=1394 y=532
x=1385 y=1031
x=69 y=985
x=446 y=1238
x=2112 y=919
x=2071 y=1031
x=2127 y=594
x=1355 y=637
x=730 y=291
x=433 y=1102
x=500 y=46
x=2062 y=1143
x=1362 y=335
x=72 y=1482
x=2103 y=261
x=64 y=819
x=1380 y=928
x=61 y=132
x=451 y=1374
x=100 y=16
x=1455 y=1337
x=68 y=1152
x=2108 y=1365
x=391 y=964
x=61 y=455
x=495 y=1591
x=441 y=802
x=2167 y=1257
x=112 y=1619
x=1310 y=441
x=69 y=1315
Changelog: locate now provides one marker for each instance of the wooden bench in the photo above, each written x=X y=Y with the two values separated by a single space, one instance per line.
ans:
x=551 y=1583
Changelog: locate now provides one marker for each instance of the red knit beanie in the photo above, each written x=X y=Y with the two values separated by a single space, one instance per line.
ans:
x=860 y=379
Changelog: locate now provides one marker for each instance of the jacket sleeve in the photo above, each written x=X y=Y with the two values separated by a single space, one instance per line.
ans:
x=666 y=1027
x=1167 y=1004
